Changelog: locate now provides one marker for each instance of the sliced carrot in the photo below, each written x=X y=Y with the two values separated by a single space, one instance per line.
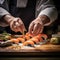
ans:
x=21 y=40
x=44 y=35
x=14 y=40
x=27 y=37
x=31 y=43
x=28 y=34
x=35 y=40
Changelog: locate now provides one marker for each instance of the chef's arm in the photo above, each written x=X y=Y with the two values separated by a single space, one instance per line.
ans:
x=4 y=13
x=48 y=13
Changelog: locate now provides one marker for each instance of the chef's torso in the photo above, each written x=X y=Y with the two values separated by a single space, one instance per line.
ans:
x=27 y=13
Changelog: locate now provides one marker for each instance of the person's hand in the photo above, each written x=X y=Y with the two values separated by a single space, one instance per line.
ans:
x=37 y=25
x=16 y=24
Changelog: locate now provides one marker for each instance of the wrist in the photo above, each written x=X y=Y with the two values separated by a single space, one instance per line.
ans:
x=8 y=18
x=44 y=19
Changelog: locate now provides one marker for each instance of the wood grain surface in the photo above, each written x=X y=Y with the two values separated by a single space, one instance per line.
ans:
x=38 y=48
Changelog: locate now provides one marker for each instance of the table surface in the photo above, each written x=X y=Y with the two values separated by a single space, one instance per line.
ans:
x=41 y=50
x=37 y=48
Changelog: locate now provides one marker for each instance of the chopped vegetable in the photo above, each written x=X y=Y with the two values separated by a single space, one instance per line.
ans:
x=5 y=36
x=54 y=40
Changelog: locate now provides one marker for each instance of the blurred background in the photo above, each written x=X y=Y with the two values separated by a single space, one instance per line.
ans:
x=29 y=58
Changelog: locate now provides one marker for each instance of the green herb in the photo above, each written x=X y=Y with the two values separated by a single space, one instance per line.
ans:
x=5 y=36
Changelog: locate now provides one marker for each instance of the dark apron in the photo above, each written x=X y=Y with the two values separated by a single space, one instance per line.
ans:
x=27 y=14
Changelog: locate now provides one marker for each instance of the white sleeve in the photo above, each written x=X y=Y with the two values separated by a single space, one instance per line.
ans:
x=51 y=12
x=3 y=12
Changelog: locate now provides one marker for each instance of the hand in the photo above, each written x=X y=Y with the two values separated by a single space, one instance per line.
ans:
x=37 y=25
x=16 y=24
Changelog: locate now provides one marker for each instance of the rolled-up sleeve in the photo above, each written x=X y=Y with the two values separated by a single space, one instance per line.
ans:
x=51 y=13
x=47 y=7
x=3 y=11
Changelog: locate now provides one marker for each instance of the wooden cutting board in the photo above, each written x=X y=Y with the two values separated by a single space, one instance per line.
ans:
x=38 y=48
x=48 y=48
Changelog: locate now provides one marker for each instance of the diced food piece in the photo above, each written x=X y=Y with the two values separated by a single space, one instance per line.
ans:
x=8 y=37
x=54 y=40
x=14 y=41
x=28 y=43
x=36 y=41
x=21 y=40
